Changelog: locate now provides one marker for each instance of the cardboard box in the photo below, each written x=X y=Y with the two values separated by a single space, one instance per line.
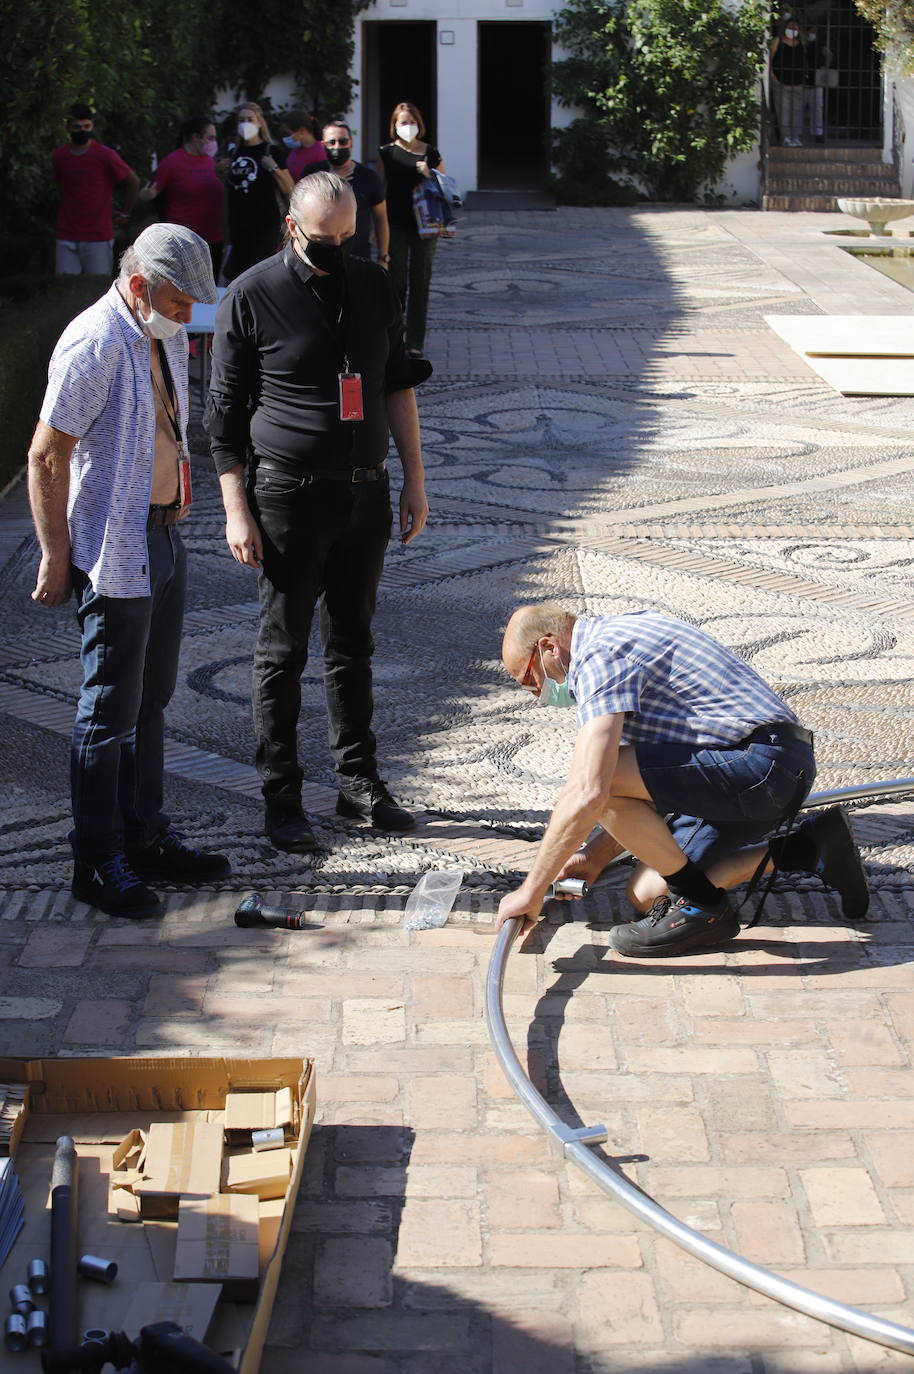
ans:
x=99 y=1102
x=264 y=1173
x=182 y=1160
x=247 y=1112
x=190 y=1305
x=218 y=1242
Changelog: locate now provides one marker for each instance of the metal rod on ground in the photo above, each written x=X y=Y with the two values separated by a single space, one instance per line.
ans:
x=64 y=1238
x=576 y=1145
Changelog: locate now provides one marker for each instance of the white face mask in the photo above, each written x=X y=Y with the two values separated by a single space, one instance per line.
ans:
x=157 y=326
x=248 y=129
x=407 y=132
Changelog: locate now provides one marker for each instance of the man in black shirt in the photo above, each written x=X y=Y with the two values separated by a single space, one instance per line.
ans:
x=309 y=379
x=370 y=196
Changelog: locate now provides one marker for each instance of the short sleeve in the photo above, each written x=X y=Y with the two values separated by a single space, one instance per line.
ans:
x=374 y=189
x=117 y=167
x=432 y=156
x=604 y=685
x=279 y=154
x=78 y=386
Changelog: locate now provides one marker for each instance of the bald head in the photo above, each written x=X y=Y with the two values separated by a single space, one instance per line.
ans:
x=527 y=626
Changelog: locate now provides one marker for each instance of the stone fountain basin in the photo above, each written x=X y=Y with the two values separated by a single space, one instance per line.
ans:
x=876 y=210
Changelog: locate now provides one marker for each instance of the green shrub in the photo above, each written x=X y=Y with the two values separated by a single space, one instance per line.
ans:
x=586 y=168
x=28 y=332
x=669 y=86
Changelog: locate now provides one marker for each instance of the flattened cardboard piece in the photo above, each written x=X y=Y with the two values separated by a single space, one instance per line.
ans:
x=218 y=1243
x=257 y=1111
x=266 y=1173
x=126 y=1172
x=190 y=1305
x=182 y=1160
x=270 y=1224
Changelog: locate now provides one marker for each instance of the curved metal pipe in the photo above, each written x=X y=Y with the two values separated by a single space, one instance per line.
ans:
x=575 y=1144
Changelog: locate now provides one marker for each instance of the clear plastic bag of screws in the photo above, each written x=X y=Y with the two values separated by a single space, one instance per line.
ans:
x=429 y=904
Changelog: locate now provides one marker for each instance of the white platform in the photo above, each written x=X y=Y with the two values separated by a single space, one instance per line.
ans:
x=858 y=355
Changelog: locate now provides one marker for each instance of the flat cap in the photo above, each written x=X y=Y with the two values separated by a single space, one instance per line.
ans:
x=181 y=257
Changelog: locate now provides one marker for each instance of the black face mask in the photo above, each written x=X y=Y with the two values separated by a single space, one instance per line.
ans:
x=80 y=137
x=327 y=257
x=338 y=156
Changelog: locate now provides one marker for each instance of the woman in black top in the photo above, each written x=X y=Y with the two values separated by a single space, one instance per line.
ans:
x=255 y=173
x=791 y=74
x=405 y=161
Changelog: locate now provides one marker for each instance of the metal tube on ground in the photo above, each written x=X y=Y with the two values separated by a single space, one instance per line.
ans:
x=64 y=1238
x=576 y=1147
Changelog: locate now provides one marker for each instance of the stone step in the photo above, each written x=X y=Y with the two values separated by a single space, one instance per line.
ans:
x=817 y=152
x=779 y=202
x=832 y=186
x=810 y=168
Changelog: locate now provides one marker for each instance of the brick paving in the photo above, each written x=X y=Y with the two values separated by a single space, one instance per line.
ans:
x=616 y=425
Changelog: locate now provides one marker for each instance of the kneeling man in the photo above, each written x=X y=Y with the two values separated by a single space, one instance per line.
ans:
x=672 y=724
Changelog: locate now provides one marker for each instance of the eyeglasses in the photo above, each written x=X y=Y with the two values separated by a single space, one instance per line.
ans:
x=527 y=679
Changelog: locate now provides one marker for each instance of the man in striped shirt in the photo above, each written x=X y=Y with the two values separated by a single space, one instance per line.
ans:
x=672 y=724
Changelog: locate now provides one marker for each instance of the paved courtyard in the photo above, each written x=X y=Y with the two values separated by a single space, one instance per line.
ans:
x=610 y=423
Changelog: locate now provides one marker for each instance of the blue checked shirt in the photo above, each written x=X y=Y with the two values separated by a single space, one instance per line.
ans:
x=674 y=682
x=100 y=391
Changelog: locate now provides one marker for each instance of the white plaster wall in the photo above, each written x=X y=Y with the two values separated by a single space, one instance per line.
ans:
x=904 y=103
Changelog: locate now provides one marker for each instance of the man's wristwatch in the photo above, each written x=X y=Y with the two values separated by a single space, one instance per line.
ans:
x=383 y=257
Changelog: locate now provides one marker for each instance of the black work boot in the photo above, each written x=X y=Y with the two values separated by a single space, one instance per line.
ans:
x=825 y=846
x=288 y=829
x=367 y=799
x=675 y=927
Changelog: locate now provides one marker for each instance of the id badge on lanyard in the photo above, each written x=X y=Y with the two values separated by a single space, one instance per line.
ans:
x=351 y=396
x=185 y=495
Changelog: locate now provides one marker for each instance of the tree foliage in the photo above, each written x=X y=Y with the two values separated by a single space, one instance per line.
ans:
x=671 y=86
x=893 y=21
x=143 y=68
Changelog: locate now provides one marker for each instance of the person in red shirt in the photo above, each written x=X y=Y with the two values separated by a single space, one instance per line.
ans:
x=86 y=173
x=194 y=191
x=307 y=153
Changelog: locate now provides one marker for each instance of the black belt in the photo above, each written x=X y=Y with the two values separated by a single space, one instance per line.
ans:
x=352 y=475
x=777 y=727
x=163 y=515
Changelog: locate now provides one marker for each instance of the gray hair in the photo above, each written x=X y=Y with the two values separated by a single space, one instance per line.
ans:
x=322 y=186
x=131 y=263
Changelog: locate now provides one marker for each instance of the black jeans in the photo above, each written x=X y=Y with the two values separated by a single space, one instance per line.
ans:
x=324 y=540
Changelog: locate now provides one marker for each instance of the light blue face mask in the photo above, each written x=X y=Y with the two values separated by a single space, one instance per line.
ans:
x=290 y=142
x=553 y=693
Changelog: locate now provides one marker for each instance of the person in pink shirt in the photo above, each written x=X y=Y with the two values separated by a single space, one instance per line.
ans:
x=307 y=154
x=86 y=173
x=193 y=190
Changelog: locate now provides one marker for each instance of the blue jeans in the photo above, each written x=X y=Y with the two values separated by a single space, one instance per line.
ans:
x=722 y=800
x=129 y=657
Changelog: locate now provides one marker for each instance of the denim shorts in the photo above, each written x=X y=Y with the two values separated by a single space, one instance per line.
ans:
x=720 y=800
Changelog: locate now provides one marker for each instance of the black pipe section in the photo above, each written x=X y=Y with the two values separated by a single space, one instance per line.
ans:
x=64 y=1238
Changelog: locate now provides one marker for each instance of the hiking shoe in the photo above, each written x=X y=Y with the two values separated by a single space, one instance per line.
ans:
x=109 y=883
x=675 y=928
x=369 y=800
x=836 y=860
x=171 y=857
x=288 y=830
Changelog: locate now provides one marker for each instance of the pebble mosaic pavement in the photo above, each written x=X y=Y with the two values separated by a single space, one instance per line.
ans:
x=612 y=423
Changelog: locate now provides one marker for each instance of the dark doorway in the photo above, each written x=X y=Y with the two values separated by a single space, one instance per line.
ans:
x=399 y=63
x=514 y=105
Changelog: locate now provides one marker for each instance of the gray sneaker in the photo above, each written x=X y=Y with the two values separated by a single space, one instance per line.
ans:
x=675 y=927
